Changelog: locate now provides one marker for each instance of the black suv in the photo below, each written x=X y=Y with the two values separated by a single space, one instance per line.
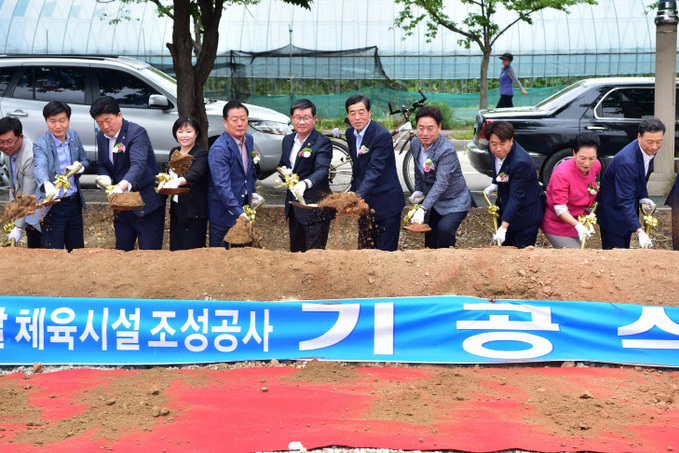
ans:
x=611 y=107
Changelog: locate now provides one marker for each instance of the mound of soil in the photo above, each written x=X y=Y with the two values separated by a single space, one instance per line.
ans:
x=125 y=201
x=25 y=205
x=243 y=233
x=347 y=203
x=180 y=163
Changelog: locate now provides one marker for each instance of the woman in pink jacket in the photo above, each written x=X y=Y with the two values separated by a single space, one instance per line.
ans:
x=572 y=188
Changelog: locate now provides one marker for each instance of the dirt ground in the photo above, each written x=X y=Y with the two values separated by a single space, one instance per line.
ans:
x=648 y=277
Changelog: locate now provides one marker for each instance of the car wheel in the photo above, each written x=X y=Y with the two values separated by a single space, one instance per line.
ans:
x=554 y=160
x=4 y=177
x=341 y=167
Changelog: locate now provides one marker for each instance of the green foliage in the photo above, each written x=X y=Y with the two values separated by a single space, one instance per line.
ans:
x=448 y=113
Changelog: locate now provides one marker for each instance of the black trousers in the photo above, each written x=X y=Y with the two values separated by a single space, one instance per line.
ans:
x=443 y=229
x=521 y=238
x=306 y=237
x=33 y=237
x=63 y=225
x=379 y=234
x=506 y=100
x=147 y=229
x=186 y=234
x=615 y=241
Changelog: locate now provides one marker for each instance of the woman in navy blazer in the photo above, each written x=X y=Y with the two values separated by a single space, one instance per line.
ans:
x=188 y=212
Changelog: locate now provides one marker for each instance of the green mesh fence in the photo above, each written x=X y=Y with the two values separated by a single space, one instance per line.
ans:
x=464 y=106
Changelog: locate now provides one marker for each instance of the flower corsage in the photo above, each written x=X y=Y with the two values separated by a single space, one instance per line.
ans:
x=255 y=157
x=428 y=165
x=305 y=153
x=593 y=188
x=363 y=150
x=119 y=148
x=503 y=177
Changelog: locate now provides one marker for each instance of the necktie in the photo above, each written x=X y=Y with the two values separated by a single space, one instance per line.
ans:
x=359 y=140
x=243 y=154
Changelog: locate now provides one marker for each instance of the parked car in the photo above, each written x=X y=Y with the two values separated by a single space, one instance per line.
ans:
x=146 y=95
x=611 y=107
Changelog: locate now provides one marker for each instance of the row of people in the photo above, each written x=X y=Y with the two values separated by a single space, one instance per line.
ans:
x=573 y=190
x=222 y=181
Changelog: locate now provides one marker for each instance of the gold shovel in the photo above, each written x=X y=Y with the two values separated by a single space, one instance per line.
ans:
x=492 y=210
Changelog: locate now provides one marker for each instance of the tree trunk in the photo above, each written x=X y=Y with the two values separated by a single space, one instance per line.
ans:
x=483 y=81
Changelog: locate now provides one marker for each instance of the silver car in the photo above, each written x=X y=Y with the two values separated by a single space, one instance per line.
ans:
x=146 y=96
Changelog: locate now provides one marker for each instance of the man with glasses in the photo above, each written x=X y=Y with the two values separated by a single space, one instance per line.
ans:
x=307 y=153
x=18 y=157
x=374 y=177
x=126 y=158
x=58 y=152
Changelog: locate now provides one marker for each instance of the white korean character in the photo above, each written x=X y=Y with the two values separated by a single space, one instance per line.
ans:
x=32 y=328
x=127 y=340
x=225 y=327
x=541 y=320
x=252 y=330
x=62 y=333
x=90 y=332
x=3 y=318
x=163 y=328
x=200 y=337
x=650 y=317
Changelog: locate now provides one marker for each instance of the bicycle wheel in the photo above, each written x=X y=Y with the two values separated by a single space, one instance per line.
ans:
x=341 y=167
x=408 y=167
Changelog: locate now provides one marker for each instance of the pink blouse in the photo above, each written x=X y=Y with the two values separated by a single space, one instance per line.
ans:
x=570 y=187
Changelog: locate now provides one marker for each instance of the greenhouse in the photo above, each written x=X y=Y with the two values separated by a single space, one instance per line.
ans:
x=271 y=52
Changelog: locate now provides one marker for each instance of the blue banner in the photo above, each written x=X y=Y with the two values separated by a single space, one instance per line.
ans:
x=442 y=329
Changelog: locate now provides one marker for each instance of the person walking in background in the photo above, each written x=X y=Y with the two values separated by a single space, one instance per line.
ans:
x=188 y=212
x=507 y=80
x=232 y=174
x=374 y=177
x=307 y=153
x=572 y=188
x=623 y=188
x=18 y=157
x=58 y=152
x=126 y=159
x=439 y=180
x=521 y=199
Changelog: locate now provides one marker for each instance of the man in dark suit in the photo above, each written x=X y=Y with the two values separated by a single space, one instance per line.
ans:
x=623 y=188
x=57 y=152
x=374 y=177
x=521 y=199
x=307 y=153
x=232 y=174
x=126 y=158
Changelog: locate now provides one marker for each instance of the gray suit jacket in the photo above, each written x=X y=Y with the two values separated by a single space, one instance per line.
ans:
x=46 y=162
x=444 y=186
x=25 y=181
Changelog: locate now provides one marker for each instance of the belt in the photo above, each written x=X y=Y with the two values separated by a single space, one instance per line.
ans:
x=71 y=198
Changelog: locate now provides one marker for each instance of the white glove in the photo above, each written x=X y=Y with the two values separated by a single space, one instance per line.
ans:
x=501 y=235
x=490 y=189
x=416 y=197
x=256 y=200
x=245 y=216
x=583 y=231
x=298 y=190
x=49 y=188
x=650 y=205
x=172 y=184
x=418 y=217
x=336 y=132
x=644 y=240
x=287 y=171
x=15 y=234
x=172 y=173
x=104 y=180
x=119 y=188
x=74 y=165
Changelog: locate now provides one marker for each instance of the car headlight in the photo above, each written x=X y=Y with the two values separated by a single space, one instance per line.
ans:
x=271 y=127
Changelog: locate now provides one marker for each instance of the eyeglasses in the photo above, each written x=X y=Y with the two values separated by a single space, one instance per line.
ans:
x=8 y=142
x=302 y=119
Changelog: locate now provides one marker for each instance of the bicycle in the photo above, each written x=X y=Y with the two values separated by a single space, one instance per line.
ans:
x=403 y=135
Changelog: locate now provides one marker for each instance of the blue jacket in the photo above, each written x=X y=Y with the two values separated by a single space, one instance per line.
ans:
x=374 y=176
x=136 y=164
x=444 y=186
x=622 y=185
x=521 y=199
x=229 y=181
x=46 y=162
x=315 y=168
